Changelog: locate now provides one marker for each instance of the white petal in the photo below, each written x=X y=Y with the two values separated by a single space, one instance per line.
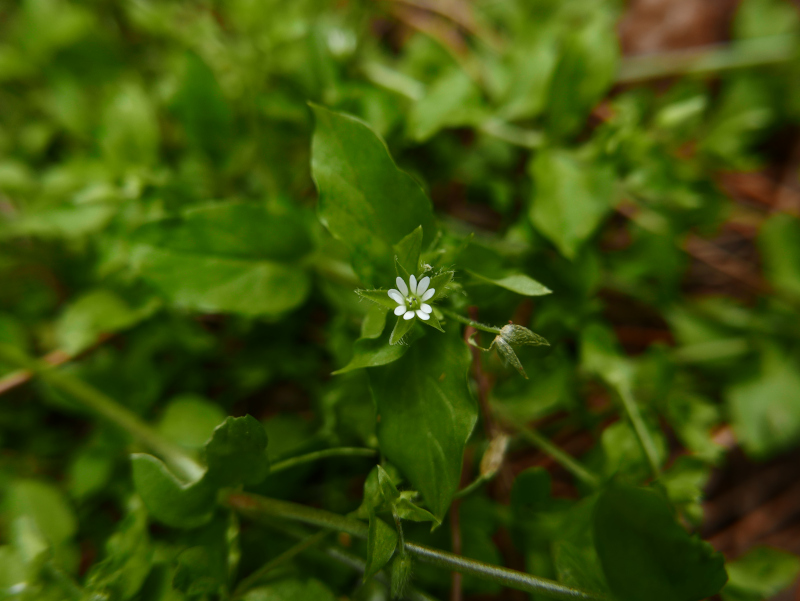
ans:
x=397 y=297
x=423 y=285
x=400 y=309
x=413 y=284
x=401 y=285
x=423 y=315
x=408 y=315
x=426 y=307
x=429 y=294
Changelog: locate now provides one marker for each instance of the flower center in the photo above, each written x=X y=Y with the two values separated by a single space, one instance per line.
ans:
x=413 y=302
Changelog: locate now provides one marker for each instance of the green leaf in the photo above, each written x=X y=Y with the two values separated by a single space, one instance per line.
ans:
x=379 y=297
x=381 y=543
x=779 y=242
x=585 y=70
x=190 y=420
x=761 y=573
x=765 y=411
x=130 y=133
x=371 y=352
x=128 y=560
x=401 y=328
x=374 y=322
x=237 y=452
x=41 y=520
x=169 y=500
x=202 y=108
x=519 y=283
x=364 y=199
x=228 y=257
x=407 y=252
x=646 y=554
x=426 y=414
x=571 y=198
x=96 y=313
x=453 y=100
x=292 y=589
x=406 y=509
x=200 y=572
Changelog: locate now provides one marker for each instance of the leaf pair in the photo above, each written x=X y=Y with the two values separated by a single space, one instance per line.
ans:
x=235 y=454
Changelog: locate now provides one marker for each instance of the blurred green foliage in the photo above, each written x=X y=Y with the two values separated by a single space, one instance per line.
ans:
x=192 y=191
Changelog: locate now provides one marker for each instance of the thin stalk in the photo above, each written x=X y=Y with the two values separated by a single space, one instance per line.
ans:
x=316 y=455
x=709 y=59
x=642 y=433
x=106 y=407
x=469 y=322
x=563 y=458
x=346 y=558
x=256 y=507
x=281 y=559
x=472 y=486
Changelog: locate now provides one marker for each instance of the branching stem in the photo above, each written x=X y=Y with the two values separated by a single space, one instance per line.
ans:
x=469 y=322
x=257 y=507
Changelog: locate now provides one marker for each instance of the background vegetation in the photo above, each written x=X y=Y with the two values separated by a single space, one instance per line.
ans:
x=181 y=240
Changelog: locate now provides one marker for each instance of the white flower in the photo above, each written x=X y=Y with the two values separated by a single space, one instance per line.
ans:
x=411 y=298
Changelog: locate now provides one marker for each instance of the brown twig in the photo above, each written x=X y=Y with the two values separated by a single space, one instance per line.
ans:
x=20 y=377
x=481 y=379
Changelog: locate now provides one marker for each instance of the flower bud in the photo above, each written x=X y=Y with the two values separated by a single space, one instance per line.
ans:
x=400 y=573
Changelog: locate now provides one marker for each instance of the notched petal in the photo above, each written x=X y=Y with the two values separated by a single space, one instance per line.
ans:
x=423 y=284
x=408 y=315
x=396 y=297
x=422 y=315
x=429 y=294
x=412 y=284
x=400 y=309
x=427 y=308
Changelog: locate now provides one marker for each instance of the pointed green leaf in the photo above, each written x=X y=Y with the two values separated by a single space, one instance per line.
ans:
x=426 y=414
x=378 y=351
x=227 y=257
x=401 y=328
x=364 y=199
x=408 y=510
x=571 y=198
x=407 y=252
x=761 y=573
x=381 y=543
x=646 y=554
x=519 y=283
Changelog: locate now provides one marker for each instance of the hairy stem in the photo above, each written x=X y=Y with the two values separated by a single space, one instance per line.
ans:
x=469 y=322
x=316 y=455
x=257 y=507
x=106 y=407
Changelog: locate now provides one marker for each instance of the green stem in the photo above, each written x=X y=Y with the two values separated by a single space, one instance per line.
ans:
x=642 y=433
x=563 y=458
x=281 y=559
x=469 y=322
x=472 y=486
x=106 y=407
x=345 y=558
x=256 y=507
x=709 y=59
x=308 y=458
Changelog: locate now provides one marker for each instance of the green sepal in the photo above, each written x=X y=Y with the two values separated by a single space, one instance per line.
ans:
x=440 y=282
x=433 y=322
x=401 y=328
